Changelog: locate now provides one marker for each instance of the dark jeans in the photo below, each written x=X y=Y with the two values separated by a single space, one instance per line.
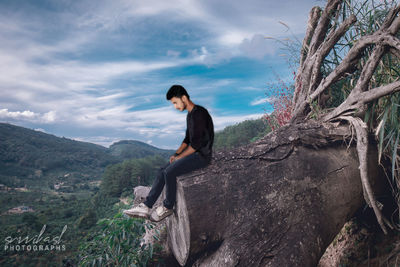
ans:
x=167 y=176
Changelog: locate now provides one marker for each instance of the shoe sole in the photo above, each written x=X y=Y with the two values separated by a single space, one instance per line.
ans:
x=137 y=215
x=156 y=218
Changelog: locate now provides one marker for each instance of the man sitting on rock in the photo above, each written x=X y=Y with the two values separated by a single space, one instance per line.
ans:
x=194 y=153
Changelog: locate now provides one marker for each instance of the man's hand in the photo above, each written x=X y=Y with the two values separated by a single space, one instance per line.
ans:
x=172 y=159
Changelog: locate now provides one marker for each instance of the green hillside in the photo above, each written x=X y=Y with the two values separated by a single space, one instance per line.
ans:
x=241 y=134
x=128 y=149
x=36 y=159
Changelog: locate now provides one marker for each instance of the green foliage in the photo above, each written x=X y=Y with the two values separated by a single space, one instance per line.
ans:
x=117 y=243
x=241 y=134
x=32 y=221
x=88 y=219
x=124 y=176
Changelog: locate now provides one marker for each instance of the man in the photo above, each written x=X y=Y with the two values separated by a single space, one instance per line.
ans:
x=194 y=153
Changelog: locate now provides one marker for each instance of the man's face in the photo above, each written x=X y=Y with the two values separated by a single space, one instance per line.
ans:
x=178 y=103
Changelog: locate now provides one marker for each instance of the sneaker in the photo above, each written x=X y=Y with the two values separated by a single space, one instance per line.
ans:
x=141 y=211
x=160 y=213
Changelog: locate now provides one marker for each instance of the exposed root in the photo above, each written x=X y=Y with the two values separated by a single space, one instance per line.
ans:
x=362 y=150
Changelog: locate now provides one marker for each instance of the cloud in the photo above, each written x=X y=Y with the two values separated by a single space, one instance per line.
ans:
x=257 y=47
x=49 y=117
x=4 y=113
x=259 y=101
x=28 y=115
x=173 y=53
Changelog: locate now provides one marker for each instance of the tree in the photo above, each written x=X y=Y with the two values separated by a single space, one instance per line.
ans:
x=281 y=200
x=311 y=83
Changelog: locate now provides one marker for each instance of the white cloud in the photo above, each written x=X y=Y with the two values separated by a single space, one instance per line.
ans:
x=4 y=113
x=259 y=101
x=173 y=53
x=28 y=115
x=49 y=117
x=233 y=38
x=257 y=47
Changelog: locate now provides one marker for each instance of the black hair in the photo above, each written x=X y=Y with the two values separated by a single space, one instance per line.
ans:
x=177 y=91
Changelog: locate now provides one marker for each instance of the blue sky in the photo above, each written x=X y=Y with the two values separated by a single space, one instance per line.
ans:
x=98 y=71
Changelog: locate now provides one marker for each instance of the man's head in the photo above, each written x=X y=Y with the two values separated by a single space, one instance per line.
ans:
x=178 y=96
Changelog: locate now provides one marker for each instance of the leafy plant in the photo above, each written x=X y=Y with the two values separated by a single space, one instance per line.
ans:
x=118 y=243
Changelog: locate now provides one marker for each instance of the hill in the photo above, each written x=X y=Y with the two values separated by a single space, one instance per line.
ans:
x=33 y=158
x=241 y=133
x=128 y=149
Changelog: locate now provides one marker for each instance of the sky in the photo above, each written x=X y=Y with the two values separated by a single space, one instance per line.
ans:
x=98 y=71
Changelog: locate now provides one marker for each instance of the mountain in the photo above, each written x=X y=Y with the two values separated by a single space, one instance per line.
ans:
x=27 y=155
x=32 y=158
x=127 y=149
x=240 y=134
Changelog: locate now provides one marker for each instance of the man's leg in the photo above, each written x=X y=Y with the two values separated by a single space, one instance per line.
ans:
x=185 y=165
x=156 y=188
x=143 y=209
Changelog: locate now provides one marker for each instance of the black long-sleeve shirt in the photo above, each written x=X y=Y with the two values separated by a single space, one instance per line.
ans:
x=200 y=131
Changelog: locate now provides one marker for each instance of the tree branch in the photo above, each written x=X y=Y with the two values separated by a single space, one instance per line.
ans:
x=392 y=20
x=322 y=27
x=369 y=69
x=326 y=47
x=379 y=92
x=379 y=37
x=357 y=100
x=312 y=24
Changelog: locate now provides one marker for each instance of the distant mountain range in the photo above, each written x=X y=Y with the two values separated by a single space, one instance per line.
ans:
x=27 y=156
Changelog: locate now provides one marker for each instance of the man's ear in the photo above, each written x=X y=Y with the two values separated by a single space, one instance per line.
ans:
x=184 y=99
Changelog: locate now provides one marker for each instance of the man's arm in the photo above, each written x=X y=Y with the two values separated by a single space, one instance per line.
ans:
x=181 y=148
x=189 y=150
x=178 y=152
x=183 y=151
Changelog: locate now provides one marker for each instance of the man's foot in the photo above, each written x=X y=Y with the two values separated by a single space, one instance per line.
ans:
x=140 y=211
x=160 y=213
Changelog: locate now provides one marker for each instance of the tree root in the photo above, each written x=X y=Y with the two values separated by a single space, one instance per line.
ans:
x=362 y=150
